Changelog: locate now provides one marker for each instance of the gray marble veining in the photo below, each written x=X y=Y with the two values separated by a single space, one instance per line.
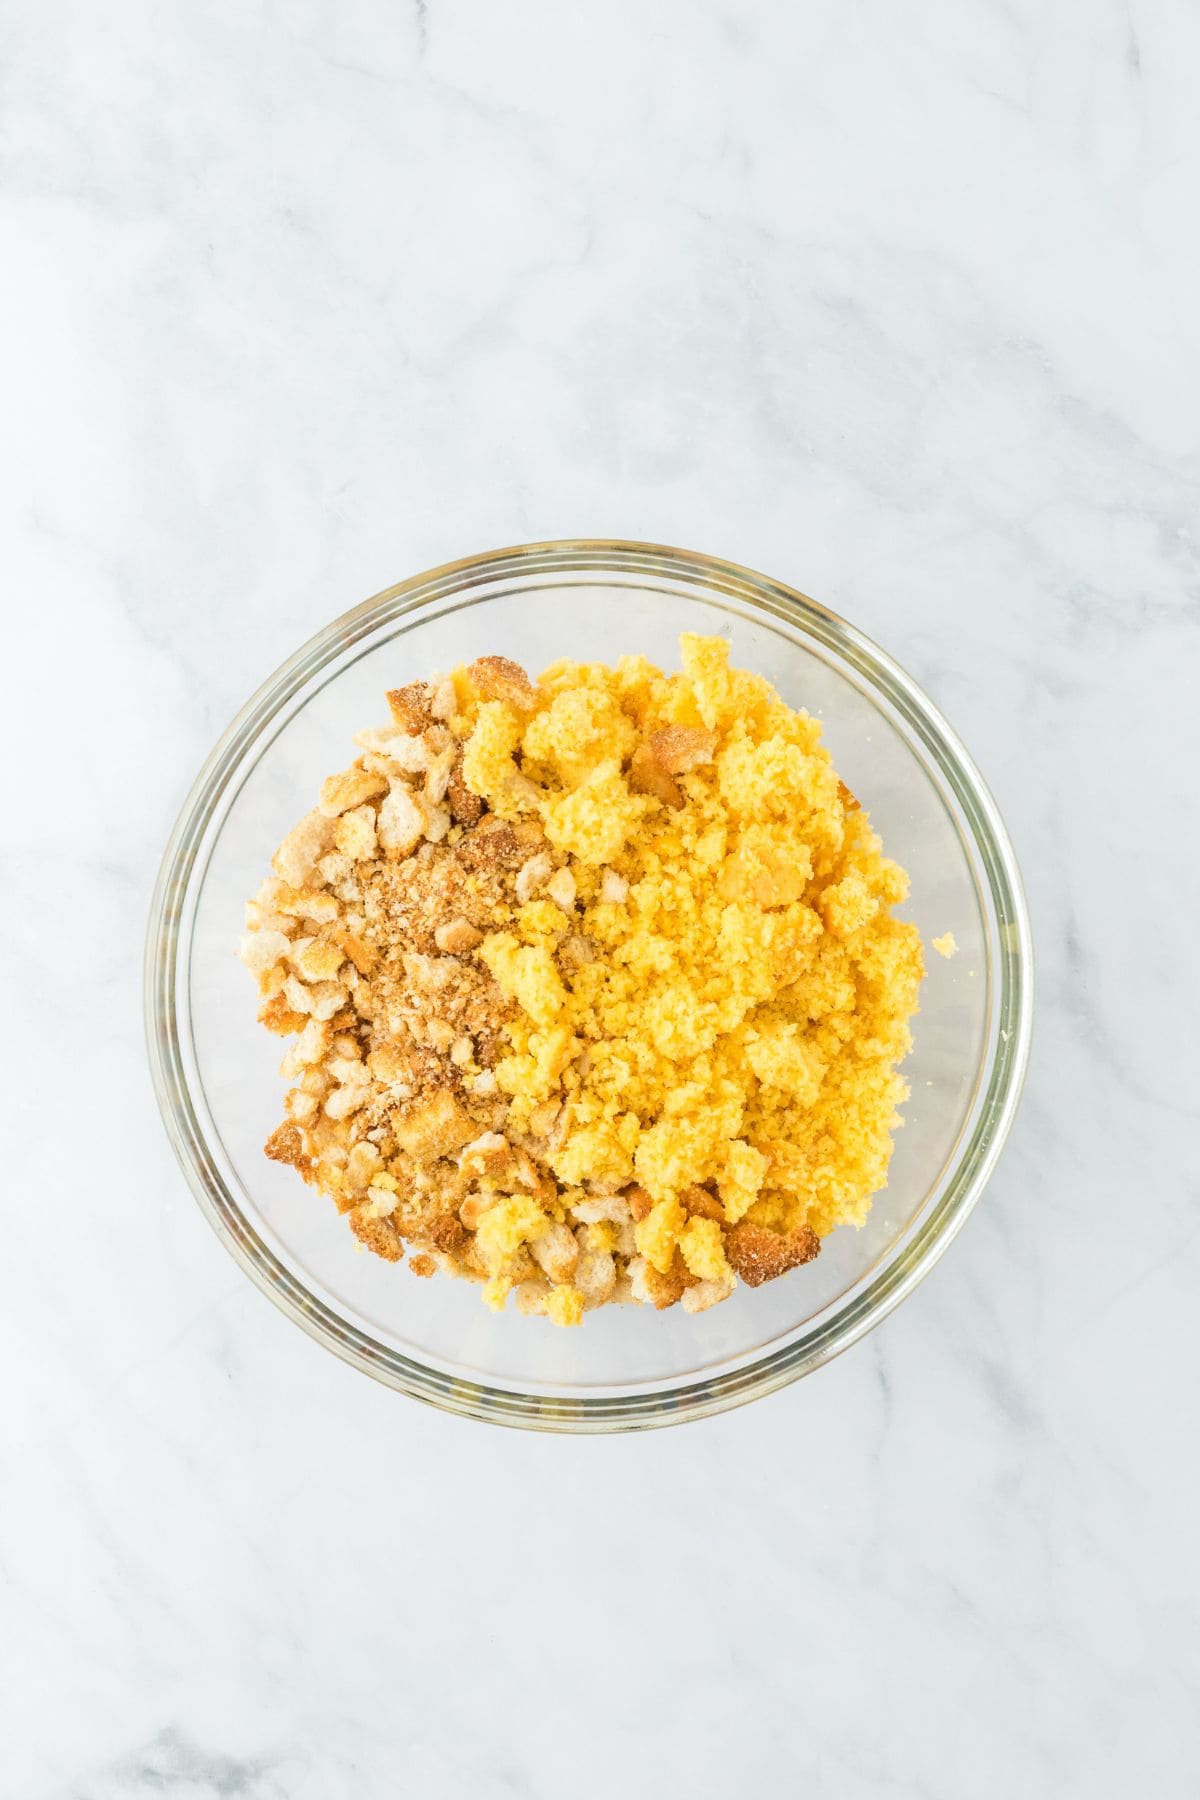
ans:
x=900 y=304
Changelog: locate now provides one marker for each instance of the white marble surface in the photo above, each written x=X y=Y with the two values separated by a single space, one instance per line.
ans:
x=900 y=303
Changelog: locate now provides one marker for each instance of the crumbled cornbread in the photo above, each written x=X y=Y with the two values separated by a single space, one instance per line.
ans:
x=594 y=983
x=945 y=945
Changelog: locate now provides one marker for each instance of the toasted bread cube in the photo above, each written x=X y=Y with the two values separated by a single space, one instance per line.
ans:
x=499 y=678
x=401 y=822
x=339 y=793
x=678 y=748
x=410 y=707
x=436 y=1127
x=759 y=1255
x=296 y=857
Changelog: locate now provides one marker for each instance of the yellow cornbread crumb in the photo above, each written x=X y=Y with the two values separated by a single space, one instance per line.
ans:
x=945 y=945
x=580 y=728
x=743 y=1008
x=504 y=1227
x=703 y=1250
x=527 y=974
x=564 y=1306
x=488 y=766
x=496 y=1291
x=659 y=1232
x=596 y=820
x=741 y=1179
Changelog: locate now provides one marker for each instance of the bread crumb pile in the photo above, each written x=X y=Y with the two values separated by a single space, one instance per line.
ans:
x=594 y=982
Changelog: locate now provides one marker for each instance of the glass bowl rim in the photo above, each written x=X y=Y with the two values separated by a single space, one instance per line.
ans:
x=855 y=1313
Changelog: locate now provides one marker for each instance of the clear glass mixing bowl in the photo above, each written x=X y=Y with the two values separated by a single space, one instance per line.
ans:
x=215 y=1069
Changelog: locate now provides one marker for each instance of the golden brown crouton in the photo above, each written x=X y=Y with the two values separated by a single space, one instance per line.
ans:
x=702 y=1205
x=678 y=748
x=279 y=1017
x=466 y=807
x=410 y=707
x=353 y=787
x=456 y=936
x=442 y=1231
x=759 y=1255
x=379 y=1235
x=435 y=1127
x=499 y=678
x=639 y=1203
x=647 y=776
x=286 y=1145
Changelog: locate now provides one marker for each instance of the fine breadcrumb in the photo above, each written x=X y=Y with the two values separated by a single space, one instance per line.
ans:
x=945 y=945
x=593 y=984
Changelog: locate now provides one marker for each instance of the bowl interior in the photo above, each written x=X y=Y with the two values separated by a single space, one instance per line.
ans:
x=229 y=1063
